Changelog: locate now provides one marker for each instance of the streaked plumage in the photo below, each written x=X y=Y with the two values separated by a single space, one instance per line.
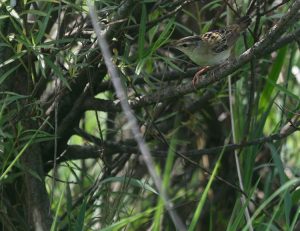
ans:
x=213 y=47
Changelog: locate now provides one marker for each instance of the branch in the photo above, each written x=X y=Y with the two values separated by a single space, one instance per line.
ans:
x=132 y=121
x=159 y=20
x=259 y=49
x=123 y=11
x=75 y=152
x=285 y=132
x=172 y=91
x=100 y=105
x=165 y=77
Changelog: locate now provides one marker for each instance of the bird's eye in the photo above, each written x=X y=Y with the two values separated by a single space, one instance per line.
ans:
x=184 y=45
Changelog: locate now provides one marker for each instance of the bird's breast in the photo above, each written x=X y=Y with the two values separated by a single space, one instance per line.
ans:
x=208 y=57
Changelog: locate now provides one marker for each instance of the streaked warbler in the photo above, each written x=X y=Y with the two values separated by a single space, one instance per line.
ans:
x=212 y=48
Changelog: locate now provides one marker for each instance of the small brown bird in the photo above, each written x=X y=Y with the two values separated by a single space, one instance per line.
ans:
x=212 y=48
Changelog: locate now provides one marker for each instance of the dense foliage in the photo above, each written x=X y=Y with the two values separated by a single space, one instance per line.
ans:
x=68 y=158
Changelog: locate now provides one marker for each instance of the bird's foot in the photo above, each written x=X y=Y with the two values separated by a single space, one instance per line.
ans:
x=202 y=71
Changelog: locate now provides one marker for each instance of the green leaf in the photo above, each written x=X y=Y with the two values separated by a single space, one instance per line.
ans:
x=204 y=195
x=69 y=203
x=5 y=75
x=4 y=16
x=57 y=71
x=55 y=220
x=21 y=152
x=283 y=89
x=13 y=58
x=130 y=181
x=80 y=219
x=283 y=179
x=11 y=97
x=272 y=77
x=167 y=172
x=162 y=39
x=164 y=36
x=43 y=25
x=34 y=12
x=125 y=221
x=268 y=200
x=142 y=32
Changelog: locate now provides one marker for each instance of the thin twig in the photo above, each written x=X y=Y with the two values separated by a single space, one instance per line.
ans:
x=243 y=198
x=259 y=49
x=131 y=118
x=158 y=20
x=126 y=146
x=274 y=8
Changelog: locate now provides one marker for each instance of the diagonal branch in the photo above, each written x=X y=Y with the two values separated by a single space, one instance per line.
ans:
x=258 y=50
x=108 y=105
x=132 y=121
x=74 y=152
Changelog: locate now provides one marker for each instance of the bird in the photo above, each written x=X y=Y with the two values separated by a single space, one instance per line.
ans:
x=211 y=48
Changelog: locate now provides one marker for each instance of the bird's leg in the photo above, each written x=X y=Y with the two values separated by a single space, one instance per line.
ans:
x=202 y=71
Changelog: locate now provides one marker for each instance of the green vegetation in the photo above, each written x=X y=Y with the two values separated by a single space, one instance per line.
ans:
x=68 y=158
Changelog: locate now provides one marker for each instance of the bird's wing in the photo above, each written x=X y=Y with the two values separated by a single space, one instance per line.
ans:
x=216 y=40
x=223 y=39
x=188 y=41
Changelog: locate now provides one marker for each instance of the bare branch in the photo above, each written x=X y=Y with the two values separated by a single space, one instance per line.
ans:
x=258 y=50
x=107 y=105
x=132 y=120
x=74 y=152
